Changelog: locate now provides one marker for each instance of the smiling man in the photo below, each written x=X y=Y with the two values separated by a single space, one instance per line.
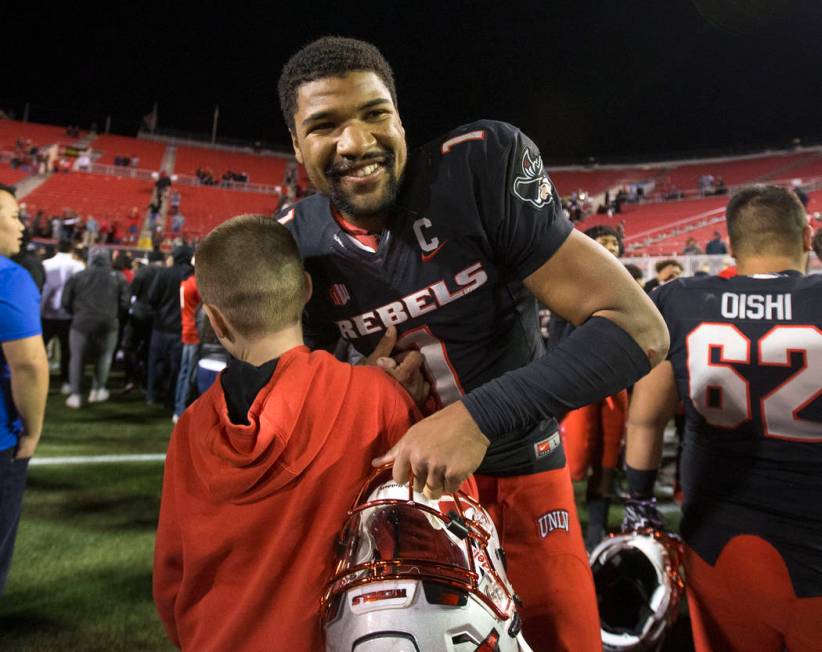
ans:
x=443 y=253
x=23 y=376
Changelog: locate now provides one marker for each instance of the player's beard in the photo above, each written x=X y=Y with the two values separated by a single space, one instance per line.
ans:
x=374 y=204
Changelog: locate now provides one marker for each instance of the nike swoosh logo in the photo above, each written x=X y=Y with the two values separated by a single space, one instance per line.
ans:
x=426 y=257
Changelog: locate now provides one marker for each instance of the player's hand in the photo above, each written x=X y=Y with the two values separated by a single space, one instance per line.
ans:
x=442 y=451
x=405 y=368
x=642 y=513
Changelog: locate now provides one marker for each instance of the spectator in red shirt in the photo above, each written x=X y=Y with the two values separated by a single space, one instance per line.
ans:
x=189 y=303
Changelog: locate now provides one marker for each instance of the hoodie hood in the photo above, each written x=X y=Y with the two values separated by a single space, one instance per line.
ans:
x=99 y=257
x=245 y=463
x=182 y=255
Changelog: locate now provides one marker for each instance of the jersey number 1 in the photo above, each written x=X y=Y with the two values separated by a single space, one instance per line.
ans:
x=445 y=384
x=780 y=406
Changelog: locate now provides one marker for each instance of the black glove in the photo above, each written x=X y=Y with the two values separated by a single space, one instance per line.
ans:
x=641 y=513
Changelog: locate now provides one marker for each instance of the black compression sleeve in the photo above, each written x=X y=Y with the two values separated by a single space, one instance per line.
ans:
x=596 y=360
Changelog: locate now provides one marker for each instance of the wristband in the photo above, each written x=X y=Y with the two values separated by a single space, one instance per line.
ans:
x=640 y=482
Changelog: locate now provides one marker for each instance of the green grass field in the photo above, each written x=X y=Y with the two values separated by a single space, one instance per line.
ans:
x=81 y=575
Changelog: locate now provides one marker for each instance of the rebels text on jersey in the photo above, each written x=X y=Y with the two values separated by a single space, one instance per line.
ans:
x=747 y=357
x=476 y=214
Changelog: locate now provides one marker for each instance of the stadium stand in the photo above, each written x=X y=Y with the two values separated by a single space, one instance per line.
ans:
x=99 y=195
x=811 y=168
x=260 y=169
x=733 y=172
x=204 y=207
x=39 y=134
x=150 y=153
x=11 y=176
x=595 y=182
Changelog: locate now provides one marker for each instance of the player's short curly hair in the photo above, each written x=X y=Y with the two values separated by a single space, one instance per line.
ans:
x=329 y=56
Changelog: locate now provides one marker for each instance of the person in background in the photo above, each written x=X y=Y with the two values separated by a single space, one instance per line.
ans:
x=165 y=349
x=95 y=297
x=189 y=304
x=212 y=357
x=28 y=259
x=744 y=358
x=56 y=320
x=716 y=246
x=691 y=248
x=817 y=243
x=24 y=377
x=666 y=270
x=636 y=273
x=137 y=332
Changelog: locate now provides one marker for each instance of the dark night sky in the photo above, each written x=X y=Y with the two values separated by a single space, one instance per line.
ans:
x=608 y=78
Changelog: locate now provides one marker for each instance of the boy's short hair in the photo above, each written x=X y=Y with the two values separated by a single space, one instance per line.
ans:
x=329 y=56
x=250 y=269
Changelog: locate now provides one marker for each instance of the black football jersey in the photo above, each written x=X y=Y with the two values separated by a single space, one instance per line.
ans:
x=475 y=215
x=747 y=357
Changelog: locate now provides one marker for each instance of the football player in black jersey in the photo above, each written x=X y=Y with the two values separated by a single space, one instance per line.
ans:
x=443 y=251
x=746 y=358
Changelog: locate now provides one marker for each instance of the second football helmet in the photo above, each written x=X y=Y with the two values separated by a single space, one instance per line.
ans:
x=415 y=575
x=639 y=584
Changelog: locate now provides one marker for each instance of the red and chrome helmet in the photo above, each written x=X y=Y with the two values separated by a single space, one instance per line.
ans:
x=414 y=574
x=639 y=583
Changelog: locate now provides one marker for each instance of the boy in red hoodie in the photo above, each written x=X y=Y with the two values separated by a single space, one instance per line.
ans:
x=263 y=467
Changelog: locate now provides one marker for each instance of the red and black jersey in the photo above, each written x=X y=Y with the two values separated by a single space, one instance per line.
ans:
x=475 y=215
x=747 y=357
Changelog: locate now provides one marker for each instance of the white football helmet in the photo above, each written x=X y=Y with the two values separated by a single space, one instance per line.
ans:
x=639 y=582
x=415 y=575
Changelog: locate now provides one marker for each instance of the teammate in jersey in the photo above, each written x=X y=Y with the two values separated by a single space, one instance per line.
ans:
x=593 y=434
x=746 y=358
x=444 y=250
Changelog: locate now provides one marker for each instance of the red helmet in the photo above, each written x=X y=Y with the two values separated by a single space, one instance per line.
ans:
x=418 y=574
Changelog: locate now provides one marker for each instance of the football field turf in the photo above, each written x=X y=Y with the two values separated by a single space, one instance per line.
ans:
x=81 y=575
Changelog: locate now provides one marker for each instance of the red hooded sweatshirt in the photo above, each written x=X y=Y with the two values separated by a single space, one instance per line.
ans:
x=250 y=513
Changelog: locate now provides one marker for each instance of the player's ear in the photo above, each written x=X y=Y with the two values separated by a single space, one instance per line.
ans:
x=309 y=287
x=298 y=153
x=807 y=238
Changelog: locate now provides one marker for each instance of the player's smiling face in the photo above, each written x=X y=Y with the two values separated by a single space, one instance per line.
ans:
x=349 y=136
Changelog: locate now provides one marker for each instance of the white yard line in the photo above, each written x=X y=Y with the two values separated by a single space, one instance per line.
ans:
x=96 y=459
